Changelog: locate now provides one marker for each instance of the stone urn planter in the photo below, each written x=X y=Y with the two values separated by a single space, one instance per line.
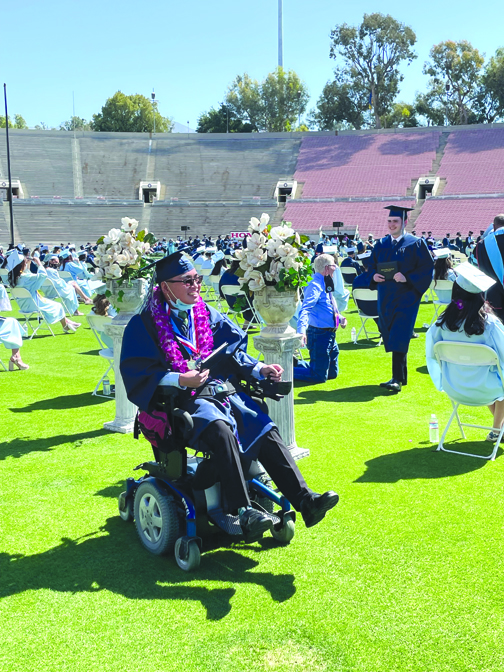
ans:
x=276 y=309
x=133 y=295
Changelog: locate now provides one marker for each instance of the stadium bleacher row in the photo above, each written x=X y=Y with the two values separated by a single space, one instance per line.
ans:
x=214 y=183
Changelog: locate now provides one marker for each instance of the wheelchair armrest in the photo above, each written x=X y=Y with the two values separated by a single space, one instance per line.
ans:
x=186 y=419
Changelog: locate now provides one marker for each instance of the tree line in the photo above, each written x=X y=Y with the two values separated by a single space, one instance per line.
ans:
x=363 y=92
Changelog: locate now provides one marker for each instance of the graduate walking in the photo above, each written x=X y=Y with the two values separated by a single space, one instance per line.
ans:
x=401 y=270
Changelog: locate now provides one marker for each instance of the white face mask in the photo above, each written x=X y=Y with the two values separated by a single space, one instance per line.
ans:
x=180 y=305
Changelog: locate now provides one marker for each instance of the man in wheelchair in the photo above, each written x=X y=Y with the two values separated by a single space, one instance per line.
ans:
x=167 y=344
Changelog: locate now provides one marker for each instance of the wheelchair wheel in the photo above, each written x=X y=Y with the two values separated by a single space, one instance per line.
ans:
x=193 y=559
x=286 y=533
x=156 y=518
x=126 y=513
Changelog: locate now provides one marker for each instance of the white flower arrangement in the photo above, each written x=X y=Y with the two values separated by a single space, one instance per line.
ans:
x=273 y=257
x=120 y=254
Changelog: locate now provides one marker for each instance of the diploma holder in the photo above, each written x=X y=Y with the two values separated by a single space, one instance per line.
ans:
x=388 y=269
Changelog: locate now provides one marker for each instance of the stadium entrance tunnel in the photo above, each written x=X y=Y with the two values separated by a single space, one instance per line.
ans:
x=285 y=190
x=149 y=192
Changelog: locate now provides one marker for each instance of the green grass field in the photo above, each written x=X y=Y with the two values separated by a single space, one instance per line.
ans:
x=405 y=573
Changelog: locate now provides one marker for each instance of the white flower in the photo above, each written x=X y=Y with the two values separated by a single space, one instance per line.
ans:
x=256 y=281
x=129 y=225
x=242 y=281
x=281 y=232
x=244 y=264
x=258 y=258
x=297 y=238
x=114 y=271
x=274 y=270
x=265 y=218
x=255 y=241
x=101 y=249
x=286 y=250
x=290 y=262
x=122 y=259
x=112 y=236
x=269 y=277
x=272 y=247
x=254 y=225
x=98 y=273
x=240 y=254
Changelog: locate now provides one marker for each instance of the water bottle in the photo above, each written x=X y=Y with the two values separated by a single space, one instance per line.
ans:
x=354 y=335
x=106 y=387
x=433 y=429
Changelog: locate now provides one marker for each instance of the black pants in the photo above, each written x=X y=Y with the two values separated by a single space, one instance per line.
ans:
x=400 y=367
x=273 y=455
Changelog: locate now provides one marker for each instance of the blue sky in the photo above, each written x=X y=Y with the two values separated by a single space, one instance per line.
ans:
x=190 y=52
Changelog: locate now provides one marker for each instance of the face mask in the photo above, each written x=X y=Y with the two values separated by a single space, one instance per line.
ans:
x=180 y=305
x=329 y=284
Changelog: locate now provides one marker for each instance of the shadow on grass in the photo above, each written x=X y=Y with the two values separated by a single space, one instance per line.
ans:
x=360 y=393
x=95 y=353
x=64 y=402
x=116 y=562
x=24 y=445
x=360 y=345
x=423 y=369
x=424 y=463
x=112 y=491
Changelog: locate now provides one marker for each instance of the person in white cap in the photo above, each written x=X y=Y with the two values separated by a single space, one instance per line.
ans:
x=470 y=319
x=443 y=270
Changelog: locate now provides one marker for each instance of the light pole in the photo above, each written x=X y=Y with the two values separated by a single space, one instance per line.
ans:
x=154 y=101
x=280 y=34
x=299 y=107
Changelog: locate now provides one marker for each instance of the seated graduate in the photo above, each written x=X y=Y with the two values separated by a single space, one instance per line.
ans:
x=161 y=346
x=11 y=336
x=68 y=290
x=350 y=262
x=469 y=319
x=443 y=270
x=20 y=276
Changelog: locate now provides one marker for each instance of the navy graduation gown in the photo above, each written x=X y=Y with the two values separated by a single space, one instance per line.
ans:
x=398 y=302
x=143 y=365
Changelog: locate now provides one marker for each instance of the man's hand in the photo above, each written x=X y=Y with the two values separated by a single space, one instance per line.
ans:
x=303 y=340
x=377 y=277
x=193 y=378
x=273 y=372
x=343 y=322
x=399 y=277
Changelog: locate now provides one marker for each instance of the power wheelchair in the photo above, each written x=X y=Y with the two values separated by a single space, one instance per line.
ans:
x=178 y=502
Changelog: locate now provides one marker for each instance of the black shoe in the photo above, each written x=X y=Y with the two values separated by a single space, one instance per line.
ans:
x=254 y=524
x=314 y=506
x=389 y=382
x=414 y=335
x=393 y=385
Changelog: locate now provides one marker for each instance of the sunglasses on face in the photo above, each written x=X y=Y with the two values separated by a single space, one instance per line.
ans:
x=189 y=282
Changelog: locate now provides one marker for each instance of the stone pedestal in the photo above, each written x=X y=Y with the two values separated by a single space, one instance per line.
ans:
x=280 y=350
x=125 y=411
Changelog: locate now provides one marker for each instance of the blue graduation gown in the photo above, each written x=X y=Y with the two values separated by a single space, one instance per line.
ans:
x=398 y=302
x=143 y=365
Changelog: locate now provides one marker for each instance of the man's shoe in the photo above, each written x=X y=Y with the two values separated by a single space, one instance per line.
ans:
x=314 y=506
x=389 y=382
x=393 y=385
x=255 y=523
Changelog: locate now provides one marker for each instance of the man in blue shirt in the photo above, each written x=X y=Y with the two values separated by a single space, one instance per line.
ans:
x=324 y=299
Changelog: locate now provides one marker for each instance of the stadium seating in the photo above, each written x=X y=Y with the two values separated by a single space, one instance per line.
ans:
x=442 y=216
x=473 y=162
x=364 y=165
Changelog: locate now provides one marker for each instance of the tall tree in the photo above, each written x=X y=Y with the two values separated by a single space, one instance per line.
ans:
x=130 y=114
x=75 y=123
x=221 y=121
x=489 y=104
x=19 y=122
x=402 y=115
x=341 y=104
x=455 y=69
x=273 y=105
x=371 y=55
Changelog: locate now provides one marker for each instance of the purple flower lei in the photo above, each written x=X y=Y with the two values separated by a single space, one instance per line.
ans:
x=166 y=335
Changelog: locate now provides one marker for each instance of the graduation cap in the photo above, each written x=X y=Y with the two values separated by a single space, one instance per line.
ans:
x=350 y=250
x=472 y=279
x=173 y=265
x=364 y=255
x=441 y=253
x=398 y=211
x=65 y=254
x=14 y=258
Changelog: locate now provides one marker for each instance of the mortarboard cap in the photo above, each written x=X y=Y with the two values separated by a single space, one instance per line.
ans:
x=173 y=265
x=441 y=253
x=471 y=279
x=350 y=250
x=14 y=258
x=65 y=254
x=398 y=211
x=364 y=255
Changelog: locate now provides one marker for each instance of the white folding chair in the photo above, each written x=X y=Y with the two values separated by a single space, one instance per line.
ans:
x=27 y=307
x=348 y=271
x=361 y=295
x=214 y=280
x=97 y=325
x=429 y=294
x=4 y=277
x=66 y=275
x=208 y=290
x=441 y=285
x=5 y=304
x=235 y=291
x=454 y=353
x=51 y=291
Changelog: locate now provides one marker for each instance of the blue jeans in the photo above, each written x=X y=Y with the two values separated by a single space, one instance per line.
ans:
x=324 y=353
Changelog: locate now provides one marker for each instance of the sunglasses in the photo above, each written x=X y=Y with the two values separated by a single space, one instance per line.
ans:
x=189 y=282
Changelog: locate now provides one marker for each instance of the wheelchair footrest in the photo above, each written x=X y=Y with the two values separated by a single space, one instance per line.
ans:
x=231 y=524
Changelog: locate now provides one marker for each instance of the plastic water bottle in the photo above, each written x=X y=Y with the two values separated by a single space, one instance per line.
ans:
x=353 y=335
x=106 y=387
x=433 y=429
